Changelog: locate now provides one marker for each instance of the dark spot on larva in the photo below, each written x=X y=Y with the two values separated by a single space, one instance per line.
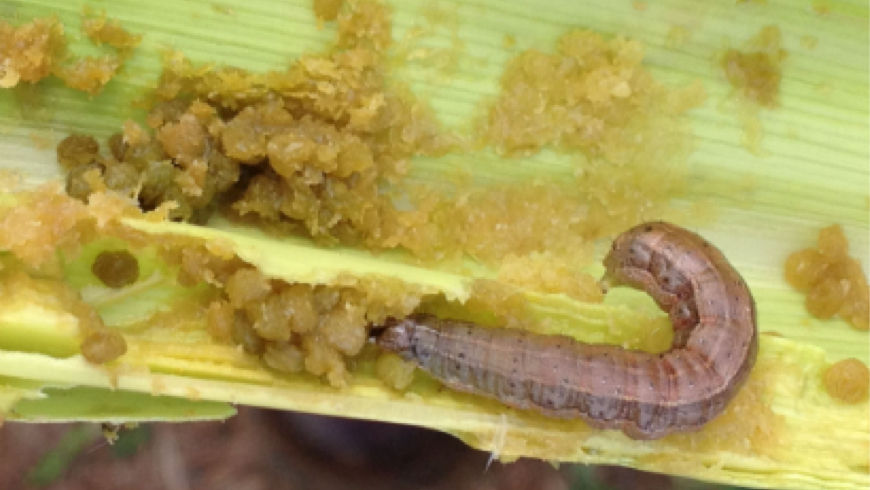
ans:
x=647 y=228
x=565 y=381
x=461 y=355
x=457 y=366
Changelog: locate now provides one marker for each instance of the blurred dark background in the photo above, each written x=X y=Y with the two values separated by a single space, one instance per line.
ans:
x=263 y=449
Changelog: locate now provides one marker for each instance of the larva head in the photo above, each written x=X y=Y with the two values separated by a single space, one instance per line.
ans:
x=630 y=250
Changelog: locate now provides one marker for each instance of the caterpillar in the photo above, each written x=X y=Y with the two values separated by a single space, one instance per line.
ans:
x=645 y=395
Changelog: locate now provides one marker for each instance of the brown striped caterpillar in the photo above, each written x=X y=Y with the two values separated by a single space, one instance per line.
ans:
x=645 y=395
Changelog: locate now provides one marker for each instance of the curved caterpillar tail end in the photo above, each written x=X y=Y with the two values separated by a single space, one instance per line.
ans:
x=394 y=335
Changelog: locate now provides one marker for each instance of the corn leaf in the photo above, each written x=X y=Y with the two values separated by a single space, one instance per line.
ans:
x=783 y=430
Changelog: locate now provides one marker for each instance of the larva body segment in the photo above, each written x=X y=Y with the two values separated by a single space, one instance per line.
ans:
x=645 y=395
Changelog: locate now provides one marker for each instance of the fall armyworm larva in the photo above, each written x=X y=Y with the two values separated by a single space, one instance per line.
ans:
x=645 y=395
